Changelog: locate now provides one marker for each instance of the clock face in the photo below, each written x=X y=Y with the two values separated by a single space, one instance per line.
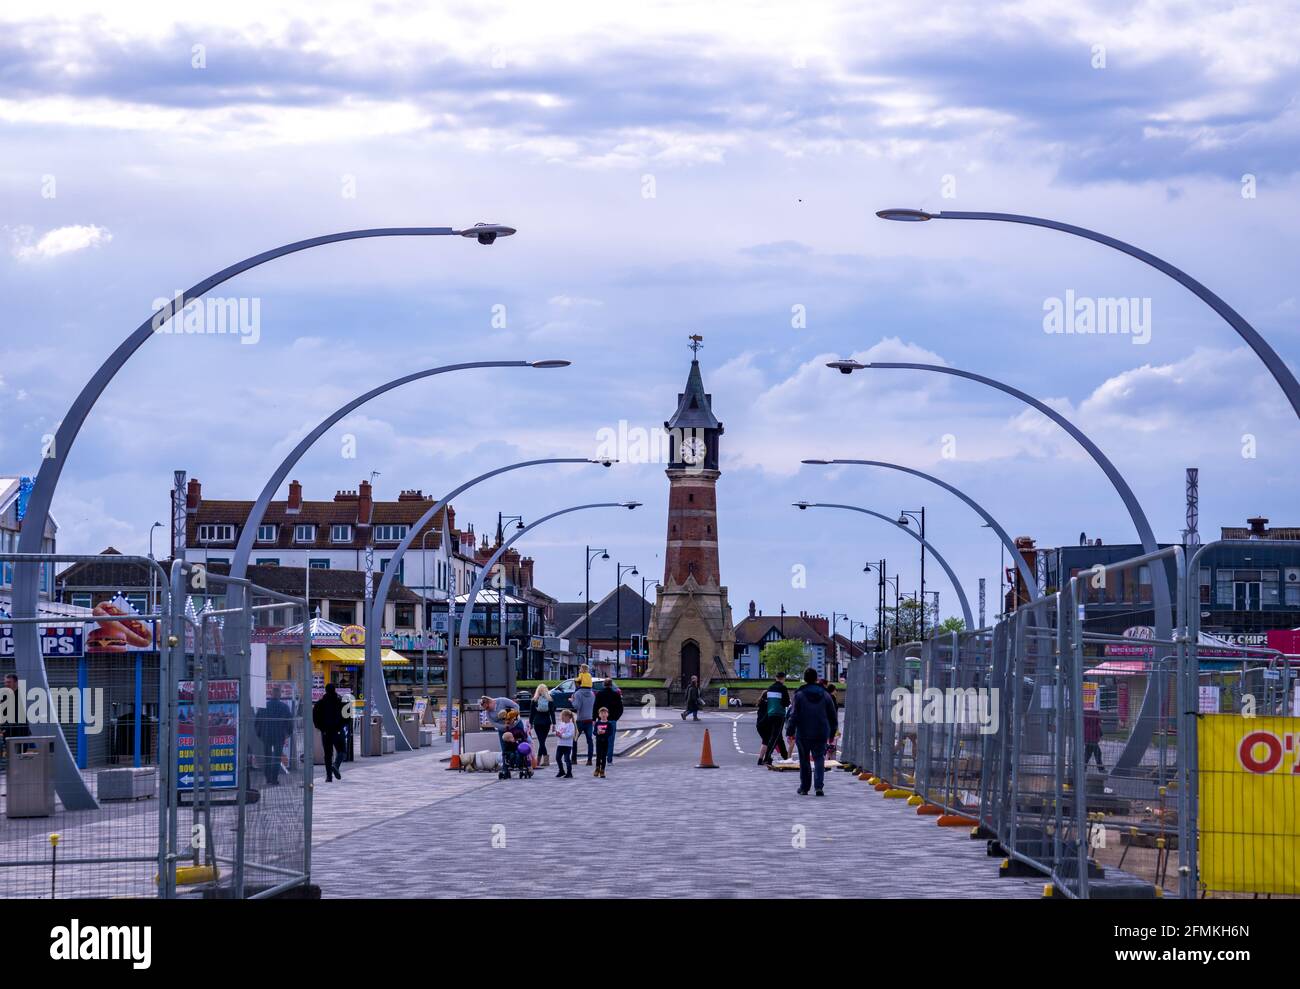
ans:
x=694 y=450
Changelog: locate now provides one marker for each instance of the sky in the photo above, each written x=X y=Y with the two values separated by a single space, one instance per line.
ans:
x=672 y=169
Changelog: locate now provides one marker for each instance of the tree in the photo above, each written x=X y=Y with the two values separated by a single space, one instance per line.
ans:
x=788 y=656
x=909 y=623
x=952 y=624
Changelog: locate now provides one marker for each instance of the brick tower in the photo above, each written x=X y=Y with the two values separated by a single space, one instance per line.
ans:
x=690 y=631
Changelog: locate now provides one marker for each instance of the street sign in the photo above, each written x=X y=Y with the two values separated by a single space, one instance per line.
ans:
x=222 y=735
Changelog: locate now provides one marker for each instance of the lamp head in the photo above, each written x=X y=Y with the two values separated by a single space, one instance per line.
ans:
x=848 y=366
x=604 y=556
x=519 y=524
x=815 y=462
x=802 y=505
x=905 y=215
x=636 y=572
x=605 y=462
x=902 y=518
x=487 y=233
x=549 y=363
x=629 y=505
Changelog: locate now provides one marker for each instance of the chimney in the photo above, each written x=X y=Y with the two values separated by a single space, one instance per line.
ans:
x=526 y=573
x=451 y=518
x=753 y=612
x=193 y=496
x=295 y=498
x=1258 y=527
x=819 y=624
x=365 y=503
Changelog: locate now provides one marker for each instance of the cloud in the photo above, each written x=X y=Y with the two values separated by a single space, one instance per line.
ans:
x=60 y=240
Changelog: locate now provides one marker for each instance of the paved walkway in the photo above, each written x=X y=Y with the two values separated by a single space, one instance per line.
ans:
x=656 y=827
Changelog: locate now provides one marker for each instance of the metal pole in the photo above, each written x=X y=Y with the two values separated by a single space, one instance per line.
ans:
x=923 y=577
x=28 y=660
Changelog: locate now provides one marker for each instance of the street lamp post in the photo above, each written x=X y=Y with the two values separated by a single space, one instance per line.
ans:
x=644 y=629
x=618 y=611
x=1144 y=726
x=501 y=595
x=1026 y=574
x=920 y=517
x=28 y=660
x=1276 y=366
x=591 y=555
x=879 y=567
x=375 y=685
x=961 y=594
x=835 y=616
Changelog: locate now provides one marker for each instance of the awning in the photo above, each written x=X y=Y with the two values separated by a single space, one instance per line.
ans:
x=356 y=657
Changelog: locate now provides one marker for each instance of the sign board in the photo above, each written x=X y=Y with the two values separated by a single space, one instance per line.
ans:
x=128 y=633
x=67 y=641
x=1091 y=696
x=353 y=635
x=1209 y=700
x=438 y=622
x=1249 y=812
x=222 y=741
x=485 y=671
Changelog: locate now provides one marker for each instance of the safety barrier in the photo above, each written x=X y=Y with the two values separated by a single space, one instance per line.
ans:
x=1112 y=766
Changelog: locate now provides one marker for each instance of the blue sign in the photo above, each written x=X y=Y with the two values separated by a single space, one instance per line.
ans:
x=66 y=641
x=25 y=486
x=222 y=735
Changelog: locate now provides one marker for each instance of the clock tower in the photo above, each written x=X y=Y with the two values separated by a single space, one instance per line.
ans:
x=690 y=631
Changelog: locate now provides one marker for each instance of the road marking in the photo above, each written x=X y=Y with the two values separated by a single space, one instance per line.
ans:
x=644 y=748
x=735 y=737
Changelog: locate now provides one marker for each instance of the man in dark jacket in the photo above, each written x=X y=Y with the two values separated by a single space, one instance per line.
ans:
x=811 y=721
x=610 y=698
x=772 y=706
x=693 y=703
x=273 y=726
x=327 y=716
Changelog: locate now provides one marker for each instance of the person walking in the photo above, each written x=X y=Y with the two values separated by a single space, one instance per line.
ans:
x=610 y=698
x=693 y=699
x=564 y=729
x=327 y=716
x=273 y=726
x=1092 y=738
x=771 y=720
x=584 y=709
x=541 y=717
x=604 y=731
x=810 y=723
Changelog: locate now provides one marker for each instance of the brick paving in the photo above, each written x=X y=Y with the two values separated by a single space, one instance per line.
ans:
x=657 y=827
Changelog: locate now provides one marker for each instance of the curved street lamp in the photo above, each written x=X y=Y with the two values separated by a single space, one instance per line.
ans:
x=1144 y=726
x=28 y=661
x=1276 y=366
x=375 y=686
x=1027 y=575
x=248 y=535
x=961 y=595
x=492 y=560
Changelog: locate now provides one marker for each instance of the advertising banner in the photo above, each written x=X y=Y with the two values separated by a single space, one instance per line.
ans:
x=1249 y=804
x=222 y=736
x=128 y=633
x=66 y=641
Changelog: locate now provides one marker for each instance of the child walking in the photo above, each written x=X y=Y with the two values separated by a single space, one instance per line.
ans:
x=604 y=731
x=564 y=745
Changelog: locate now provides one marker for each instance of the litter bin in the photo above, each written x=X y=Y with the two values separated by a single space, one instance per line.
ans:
x=31 y=777
x=411 y=729
x=372 y=737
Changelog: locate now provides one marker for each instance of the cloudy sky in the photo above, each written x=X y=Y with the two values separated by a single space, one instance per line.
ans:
x=672 y=168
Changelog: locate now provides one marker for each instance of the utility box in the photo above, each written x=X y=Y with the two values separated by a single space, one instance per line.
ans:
x=31 y=777
x=127 y=784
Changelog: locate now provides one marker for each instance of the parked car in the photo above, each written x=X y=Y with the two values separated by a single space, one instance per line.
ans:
x=562 y=695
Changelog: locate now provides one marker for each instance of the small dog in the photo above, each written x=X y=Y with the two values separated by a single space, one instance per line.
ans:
x=481 y=762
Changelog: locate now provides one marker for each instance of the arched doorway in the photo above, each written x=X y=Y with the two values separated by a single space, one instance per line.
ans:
x=690 y=657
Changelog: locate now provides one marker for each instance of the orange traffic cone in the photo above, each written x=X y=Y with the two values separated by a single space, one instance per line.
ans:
x=455 y=749
x=706 y=754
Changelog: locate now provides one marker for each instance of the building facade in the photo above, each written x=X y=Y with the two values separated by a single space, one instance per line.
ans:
x=757 y=630
x=691 y=631
x=14 y=492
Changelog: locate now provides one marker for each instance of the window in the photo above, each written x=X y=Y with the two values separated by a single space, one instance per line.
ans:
x=267 y=533
x=1205 y=585
x=342 y=612
x=304 y=533
x=340 y=533
x=319 y=564
x=223 y=560
x=216 y=533
x=404 y=616
x=268 y=561
x=81 y=600
x=401 y=567
x=390 y=533
x=140 y=602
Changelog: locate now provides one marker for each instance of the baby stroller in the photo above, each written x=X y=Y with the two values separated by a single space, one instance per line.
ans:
x=517 y=757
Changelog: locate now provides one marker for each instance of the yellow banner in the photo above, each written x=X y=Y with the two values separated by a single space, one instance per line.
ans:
x=1249 y=791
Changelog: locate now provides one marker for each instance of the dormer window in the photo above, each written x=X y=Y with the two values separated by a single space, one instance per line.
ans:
x=390 y=533
x=304 y=533
x=267 y=533
x=340 y=533
x=216 y=533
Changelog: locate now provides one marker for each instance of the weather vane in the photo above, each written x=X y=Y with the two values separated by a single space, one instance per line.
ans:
x=696 y=343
